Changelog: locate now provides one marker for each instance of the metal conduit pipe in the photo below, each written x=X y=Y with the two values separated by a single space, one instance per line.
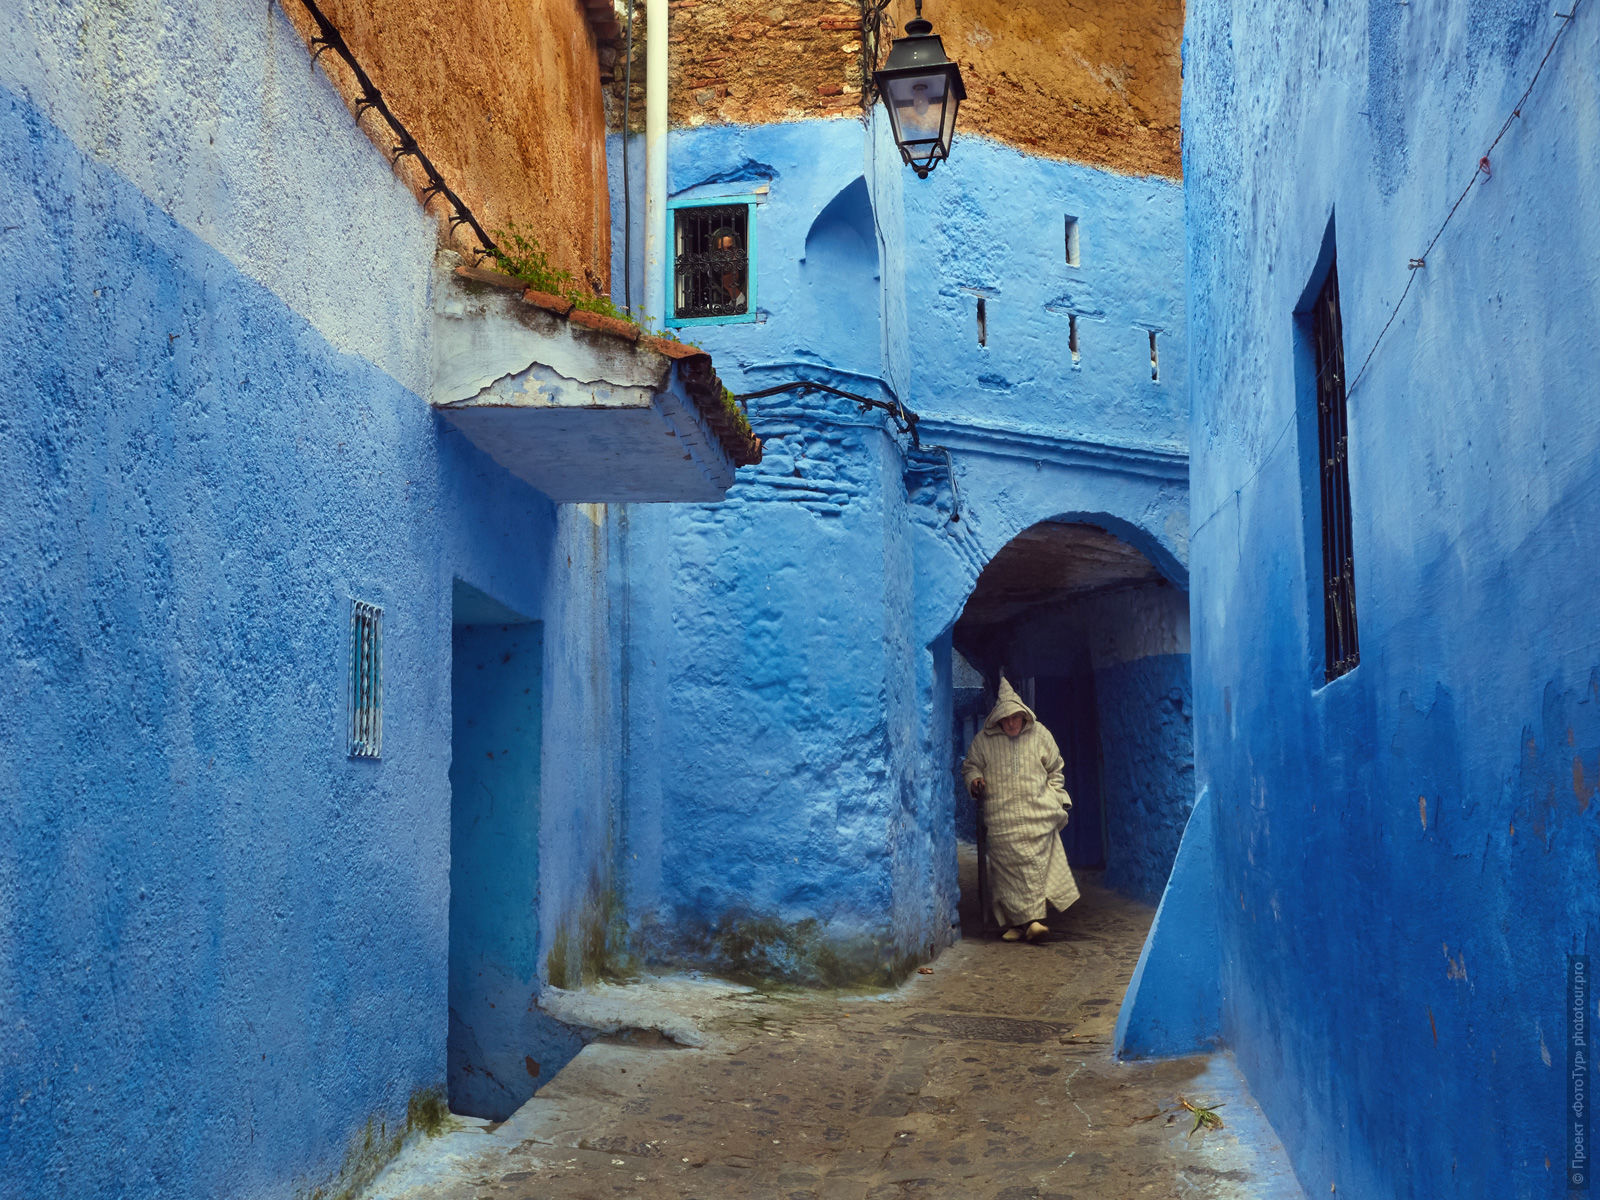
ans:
x=904 y=418
x=655 y=162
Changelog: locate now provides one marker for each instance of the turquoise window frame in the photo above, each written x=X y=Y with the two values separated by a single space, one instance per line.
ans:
x=751 y=203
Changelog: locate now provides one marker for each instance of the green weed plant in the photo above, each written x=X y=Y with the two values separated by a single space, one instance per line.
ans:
x=518 y=253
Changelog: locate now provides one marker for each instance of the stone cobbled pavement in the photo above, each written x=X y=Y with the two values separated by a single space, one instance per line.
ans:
x=991 y=1077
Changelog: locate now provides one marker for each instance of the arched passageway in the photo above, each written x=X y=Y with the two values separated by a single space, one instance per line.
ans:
x=1096 y=640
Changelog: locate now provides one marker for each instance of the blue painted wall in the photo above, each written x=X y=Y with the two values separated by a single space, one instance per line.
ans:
x=771 y=825
x=789 y=802
x=1147 y=768
x=217 y=309
x=990 y=223
x=180 y=644
x=1173 y=1004
x=1405 y=855
x=767 y=805
x=970 y=703
x=223 y=943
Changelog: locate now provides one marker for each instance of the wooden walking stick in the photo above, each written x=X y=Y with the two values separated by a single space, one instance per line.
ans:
x=986 y=926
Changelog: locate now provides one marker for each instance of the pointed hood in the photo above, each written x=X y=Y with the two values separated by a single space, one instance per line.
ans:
x=1008 y=702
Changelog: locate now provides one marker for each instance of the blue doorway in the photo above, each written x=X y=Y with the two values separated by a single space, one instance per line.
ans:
x=496 y=692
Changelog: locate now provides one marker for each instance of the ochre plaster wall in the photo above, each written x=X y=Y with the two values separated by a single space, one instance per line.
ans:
x=504 y=96
x=1099 y=84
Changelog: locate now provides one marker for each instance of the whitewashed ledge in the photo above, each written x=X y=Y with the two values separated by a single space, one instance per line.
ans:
x=581 y=406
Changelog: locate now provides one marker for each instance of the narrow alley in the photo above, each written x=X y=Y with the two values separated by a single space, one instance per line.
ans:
x=990 y=1077
x=544 y=540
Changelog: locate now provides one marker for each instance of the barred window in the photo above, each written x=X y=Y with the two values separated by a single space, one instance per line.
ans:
x=1333 y=458
x=711 y=261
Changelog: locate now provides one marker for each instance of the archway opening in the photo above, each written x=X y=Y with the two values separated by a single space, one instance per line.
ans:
x=1095 y=638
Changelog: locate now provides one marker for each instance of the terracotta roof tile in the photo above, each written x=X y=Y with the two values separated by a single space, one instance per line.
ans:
x=492 y=278
x=694 y=366
x=559 y=305
x=672 y=348
x=612 y=325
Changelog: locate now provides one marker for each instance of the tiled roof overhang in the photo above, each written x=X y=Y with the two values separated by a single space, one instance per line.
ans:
x=579 y=405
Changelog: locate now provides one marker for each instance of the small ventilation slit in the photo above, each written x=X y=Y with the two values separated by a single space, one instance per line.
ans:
x=983 y=322
x=1155 y=361
x=1072 y=241
x=1072 y=337
x=365 y=683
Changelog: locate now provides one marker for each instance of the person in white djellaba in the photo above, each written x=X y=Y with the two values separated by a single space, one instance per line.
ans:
x=1014 y=770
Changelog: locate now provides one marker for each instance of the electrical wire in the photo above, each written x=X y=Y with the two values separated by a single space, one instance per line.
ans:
x=1480 y=173
x=903 y=416
x=369 y=98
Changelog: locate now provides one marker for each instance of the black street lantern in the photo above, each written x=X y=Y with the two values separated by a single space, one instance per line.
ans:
x=922 y=89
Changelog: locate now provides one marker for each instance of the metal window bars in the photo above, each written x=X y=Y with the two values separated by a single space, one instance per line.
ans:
x=1333 y=435
x=365 y=688
x=711 y=261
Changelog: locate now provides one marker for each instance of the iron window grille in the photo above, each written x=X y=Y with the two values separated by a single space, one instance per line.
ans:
x=713 y=262
x=365 y=686
x=1333 y=459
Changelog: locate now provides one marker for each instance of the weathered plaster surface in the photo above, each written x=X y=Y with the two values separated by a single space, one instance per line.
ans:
x=1405 y=855
x=773 y=801
x=1098 y=84
x=210 y=114
x=990 y=225
x=504 y=97
x=1147 y=768
x=223 y=943
x=584 y=718
x=583 y=415
x=164 y=1008
x=790 y=809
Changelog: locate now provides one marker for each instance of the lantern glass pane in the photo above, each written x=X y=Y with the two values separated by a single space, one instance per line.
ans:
x=918 y=105
x=948 y=130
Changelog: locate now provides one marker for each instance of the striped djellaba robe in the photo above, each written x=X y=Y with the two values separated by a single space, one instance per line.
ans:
x=1025 y=810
